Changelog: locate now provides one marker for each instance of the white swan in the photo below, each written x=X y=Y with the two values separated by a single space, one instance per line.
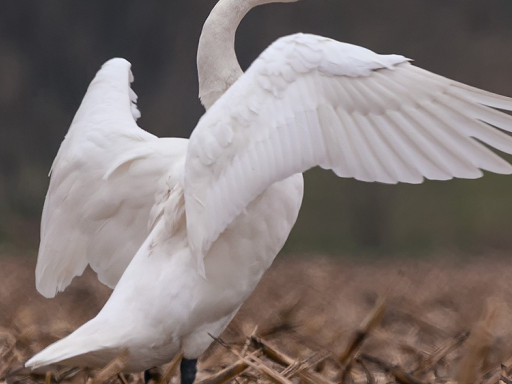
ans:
x=212 y=212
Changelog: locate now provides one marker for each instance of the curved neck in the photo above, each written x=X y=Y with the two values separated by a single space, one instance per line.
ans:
x=217 y=65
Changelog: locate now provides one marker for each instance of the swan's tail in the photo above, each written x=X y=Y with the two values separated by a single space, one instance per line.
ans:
x=84 y=347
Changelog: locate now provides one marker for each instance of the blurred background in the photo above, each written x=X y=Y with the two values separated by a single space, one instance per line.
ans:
x=51 y=49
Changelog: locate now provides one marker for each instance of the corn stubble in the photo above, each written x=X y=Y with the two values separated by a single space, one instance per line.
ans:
x=312 y=322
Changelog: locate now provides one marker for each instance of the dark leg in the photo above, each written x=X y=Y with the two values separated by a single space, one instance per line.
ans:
x=147 y=376
x=152 y=374
x=188 y=370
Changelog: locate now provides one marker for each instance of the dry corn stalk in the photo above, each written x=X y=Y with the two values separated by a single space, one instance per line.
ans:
x=169 y=372
x=256 y=363
x=111 y=369
x=470 y=367
x=281 y=358
x=441 y=352
x=368 y=324
x=400 y=375
x=226 y=374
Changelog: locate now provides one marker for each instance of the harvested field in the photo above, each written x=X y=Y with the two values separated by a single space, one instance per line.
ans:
x=317 y=321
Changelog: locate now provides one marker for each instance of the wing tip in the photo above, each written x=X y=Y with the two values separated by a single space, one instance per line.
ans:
x=50 y=289
x=117 y=62
x=44 y=285
x=49 y=284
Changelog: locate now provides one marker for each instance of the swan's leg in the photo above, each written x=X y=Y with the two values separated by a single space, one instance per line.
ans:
x=147 y=376
x=188 y=370
x=152 y=374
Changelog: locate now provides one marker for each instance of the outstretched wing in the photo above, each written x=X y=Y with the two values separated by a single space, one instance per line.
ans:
x=106 y=182
x=309 y=100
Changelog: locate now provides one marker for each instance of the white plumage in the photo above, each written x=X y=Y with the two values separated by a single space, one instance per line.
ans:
x=363 y=115
x=103 y=185
x=205 y=217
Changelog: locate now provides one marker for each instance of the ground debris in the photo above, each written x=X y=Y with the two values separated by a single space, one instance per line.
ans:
x=310 y=322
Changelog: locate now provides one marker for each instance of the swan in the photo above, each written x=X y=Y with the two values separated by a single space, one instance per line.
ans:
x=183 y=230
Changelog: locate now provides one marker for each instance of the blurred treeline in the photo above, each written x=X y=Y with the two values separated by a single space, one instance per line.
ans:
x=50 y=50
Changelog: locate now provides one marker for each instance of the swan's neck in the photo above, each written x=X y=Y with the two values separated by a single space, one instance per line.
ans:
x=217 y=64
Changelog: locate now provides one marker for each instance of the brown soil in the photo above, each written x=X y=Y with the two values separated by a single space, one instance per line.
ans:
x=315 y=321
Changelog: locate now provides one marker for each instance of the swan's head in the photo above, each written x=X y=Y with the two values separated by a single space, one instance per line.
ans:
x=261 y=2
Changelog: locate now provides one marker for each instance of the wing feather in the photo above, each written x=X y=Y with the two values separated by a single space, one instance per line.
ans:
x=473 y=128
x=106 y=183
x=384 y=160
x=332 y=142
x=310 y=101
x=472 y=94
x=408 y=171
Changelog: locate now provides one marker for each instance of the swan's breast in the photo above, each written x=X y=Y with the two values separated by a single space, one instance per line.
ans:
x=251 y=242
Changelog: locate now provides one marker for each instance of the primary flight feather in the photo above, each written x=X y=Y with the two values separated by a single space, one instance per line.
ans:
x=184 y=229
x=309 y=100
